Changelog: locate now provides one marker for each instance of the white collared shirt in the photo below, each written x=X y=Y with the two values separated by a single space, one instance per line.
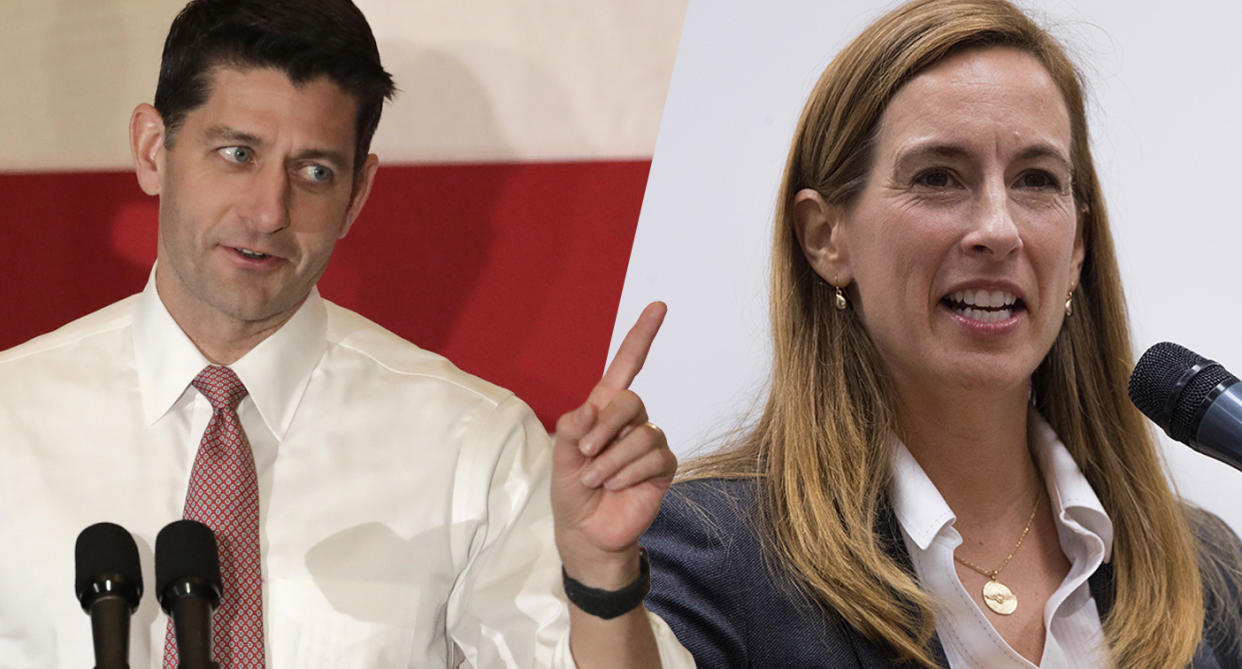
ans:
x=405 y=517
x=1074 y=634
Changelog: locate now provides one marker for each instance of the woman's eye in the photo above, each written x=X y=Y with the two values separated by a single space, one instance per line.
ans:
x=1038 y=180
x=317 y=174
x=936 y=178
x=237 y=154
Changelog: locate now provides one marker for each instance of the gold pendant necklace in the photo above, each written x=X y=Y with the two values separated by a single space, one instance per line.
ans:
x=997 y=595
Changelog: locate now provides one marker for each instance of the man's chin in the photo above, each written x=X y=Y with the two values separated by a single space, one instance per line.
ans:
x=260 y=310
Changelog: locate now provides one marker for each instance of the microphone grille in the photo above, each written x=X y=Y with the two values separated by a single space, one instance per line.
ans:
x=1186 y=413
x=186 y=550
x=106 y=550
x=1150 y=385
x=1170 y=384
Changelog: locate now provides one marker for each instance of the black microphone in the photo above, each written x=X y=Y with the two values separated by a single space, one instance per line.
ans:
x=108 y=583
x=1196 y=400
x=188 y=586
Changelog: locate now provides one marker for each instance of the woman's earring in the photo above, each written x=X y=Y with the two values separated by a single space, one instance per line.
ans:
x=841 y=302
x=1069 y=303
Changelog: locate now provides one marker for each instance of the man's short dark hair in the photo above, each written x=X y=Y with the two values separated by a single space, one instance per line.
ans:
x=305 y=39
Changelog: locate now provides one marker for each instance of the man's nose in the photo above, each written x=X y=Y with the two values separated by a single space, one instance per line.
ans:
x=266 y=207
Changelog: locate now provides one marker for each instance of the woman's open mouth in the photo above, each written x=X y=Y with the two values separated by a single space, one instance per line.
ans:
x=984 y=306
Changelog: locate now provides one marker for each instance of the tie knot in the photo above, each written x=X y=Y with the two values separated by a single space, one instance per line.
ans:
x=220 y=386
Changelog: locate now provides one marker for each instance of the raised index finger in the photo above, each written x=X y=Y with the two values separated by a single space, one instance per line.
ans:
x=633 y=349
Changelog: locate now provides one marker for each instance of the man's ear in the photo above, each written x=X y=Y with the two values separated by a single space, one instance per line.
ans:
x=362 y=190
x=146 y=144
x=820 y=233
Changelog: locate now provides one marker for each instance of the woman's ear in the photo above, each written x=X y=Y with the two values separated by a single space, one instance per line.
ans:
x=821 y=235
x=1079 y=253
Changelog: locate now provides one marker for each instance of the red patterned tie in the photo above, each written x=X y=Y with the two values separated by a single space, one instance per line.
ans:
x=224 y=495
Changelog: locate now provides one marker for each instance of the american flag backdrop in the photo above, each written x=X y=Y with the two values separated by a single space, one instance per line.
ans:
x=513 y=166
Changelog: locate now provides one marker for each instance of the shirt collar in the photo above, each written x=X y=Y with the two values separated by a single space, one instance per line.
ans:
x=1073 y=499
x=275 y=372
x=923 y=513
x=919 y=507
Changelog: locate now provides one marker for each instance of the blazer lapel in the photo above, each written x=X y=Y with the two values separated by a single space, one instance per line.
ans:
x=869 y=655
x=1101 y=585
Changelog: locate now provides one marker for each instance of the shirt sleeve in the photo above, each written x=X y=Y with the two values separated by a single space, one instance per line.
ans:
x=507 y=608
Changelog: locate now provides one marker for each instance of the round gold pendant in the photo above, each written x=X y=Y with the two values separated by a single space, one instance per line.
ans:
x=999 y=598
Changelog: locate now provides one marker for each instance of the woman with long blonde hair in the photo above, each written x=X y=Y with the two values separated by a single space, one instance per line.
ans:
x=947 y=470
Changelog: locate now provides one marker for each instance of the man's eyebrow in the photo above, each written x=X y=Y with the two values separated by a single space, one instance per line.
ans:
x=226 y=134
x=326 y=155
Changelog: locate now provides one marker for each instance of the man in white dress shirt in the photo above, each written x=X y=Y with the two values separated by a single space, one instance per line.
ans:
x=404 y=511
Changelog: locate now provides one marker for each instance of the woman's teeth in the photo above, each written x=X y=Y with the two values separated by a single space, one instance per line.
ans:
x=984 y=298
x=985 y=306
x=986 y=316
x=252 y=254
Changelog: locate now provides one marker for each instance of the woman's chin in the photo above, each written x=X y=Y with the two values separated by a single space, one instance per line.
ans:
x=980 y=377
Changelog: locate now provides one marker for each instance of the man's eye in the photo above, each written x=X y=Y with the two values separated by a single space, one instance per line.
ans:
x=237 y=154
x=316 y=174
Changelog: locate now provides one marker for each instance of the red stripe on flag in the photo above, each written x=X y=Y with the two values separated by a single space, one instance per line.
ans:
x=514 y=271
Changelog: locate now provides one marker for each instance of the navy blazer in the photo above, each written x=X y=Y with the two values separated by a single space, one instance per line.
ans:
x=710 y=583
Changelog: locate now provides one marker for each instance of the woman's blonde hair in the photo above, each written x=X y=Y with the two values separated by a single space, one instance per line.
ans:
x=822 y=447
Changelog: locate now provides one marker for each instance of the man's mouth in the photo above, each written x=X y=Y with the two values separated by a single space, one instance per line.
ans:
x=985 y=306
x=253 y=255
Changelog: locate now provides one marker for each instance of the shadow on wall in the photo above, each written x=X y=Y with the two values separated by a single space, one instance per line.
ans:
x=74 y=242
x=420 y=243
x=513 y=270
x=83 y=75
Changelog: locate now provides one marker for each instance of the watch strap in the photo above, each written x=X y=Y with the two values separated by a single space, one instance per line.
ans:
x=608 y=604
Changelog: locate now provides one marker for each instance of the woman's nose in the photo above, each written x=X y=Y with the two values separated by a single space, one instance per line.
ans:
x=993 y=229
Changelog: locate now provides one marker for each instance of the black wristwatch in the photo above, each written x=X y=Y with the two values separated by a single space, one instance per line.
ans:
x=609 y=604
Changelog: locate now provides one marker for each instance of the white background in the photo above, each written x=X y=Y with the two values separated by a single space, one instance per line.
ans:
x=1164 y=93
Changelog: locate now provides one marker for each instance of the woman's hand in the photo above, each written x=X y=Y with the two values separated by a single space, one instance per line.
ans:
x=611 y=468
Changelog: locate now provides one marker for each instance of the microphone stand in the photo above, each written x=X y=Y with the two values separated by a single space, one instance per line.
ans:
x=191 y=615
x=110 y=632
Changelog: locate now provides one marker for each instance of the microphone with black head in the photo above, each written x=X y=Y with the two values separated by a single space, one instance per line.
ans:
x=188 y=586
x=108 y=583
x=1195 y=400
